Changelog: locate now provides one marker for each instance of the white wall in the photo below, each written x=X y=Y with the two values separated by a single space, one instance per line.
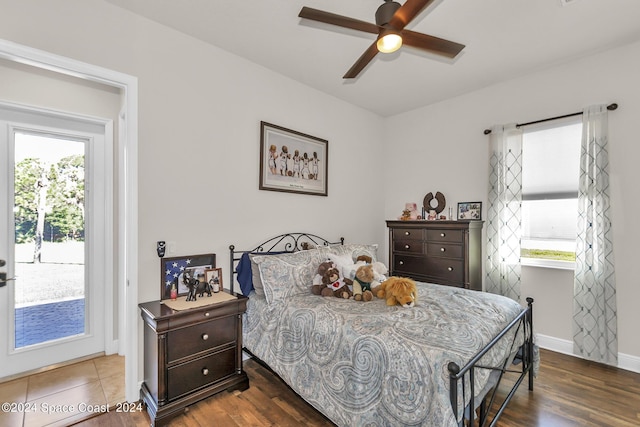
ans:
x=442 y=148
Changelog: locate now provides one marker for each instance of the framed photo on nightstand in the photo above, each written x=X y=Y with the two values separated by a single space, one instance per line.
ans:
x=176 y=271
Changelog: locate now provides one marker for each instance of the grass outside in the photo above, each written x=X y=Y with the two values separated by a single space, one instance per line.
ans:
x=548 y=254
x=59 y=276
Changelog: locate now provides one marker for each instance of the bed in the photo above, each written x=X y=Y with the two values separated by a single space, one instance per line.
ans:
x=439 y=363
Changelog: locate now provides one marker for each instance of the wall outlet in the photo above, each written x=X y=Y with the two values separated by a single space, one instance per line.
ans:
x=171 y=248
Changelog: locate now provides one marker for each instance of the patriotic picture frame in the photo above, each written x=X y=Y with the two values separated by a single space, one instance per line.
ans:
x=173 y=269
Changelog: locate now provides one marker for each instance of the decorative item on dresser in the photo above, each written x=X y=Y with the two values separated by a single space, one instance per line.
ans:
x=443 y=252
x=191 y=354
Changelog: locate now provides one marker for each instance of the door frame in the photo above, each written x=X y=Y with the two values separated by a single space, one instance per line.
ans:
x=127 y=160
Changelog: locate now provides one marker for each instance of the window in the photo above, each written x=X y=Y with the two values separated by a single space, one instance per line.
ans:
x=550 y=172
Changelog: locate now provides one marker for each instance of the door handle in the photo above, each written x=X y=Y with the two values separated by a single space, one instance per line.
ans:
x=3 y=279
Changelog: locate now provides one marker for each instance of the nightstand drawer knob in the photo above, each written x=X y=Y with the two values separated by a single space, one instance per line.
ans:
x=407 y=233
x=401 y=262
x=406 y=246
x=206 y=314
x=205 y=371
x=442 y=249
x=450 y=268
x=205 y=337
x=442 y=234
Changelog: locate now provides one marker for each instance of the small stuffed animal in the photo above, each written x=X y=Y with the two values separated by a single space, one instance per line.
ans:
x=362 y=283
x=398 y=290
x=346 y=266
x=318 y=285
x=335 y=285
x=379 y=273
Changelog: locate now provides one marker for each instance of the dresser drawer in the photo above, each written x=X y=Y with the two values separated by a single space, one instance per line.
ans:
x=410 y=246
x=444 y=235
x=407 y=234
x=444 y=249
x=191 y=340
x=449 y=270
x=408 y=264
x=186 y=378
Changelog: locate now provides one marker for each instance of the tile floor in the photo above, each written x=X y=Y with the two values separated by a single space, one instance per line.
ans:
x=64 y=395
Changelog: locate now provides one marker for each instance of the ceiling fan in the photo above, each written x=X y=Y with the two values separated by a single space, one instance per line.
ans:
x=391 y=19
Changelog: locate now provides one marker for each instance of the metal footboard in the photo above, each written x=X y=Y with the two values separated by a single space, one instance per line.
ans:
x=459 y=377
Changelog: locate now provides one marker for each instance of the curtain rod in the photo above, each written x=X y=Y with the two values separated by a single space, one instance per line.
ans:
x=610 y=107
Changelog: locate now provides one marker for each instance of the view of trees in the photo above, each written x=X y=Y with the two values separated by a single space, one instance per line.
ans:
x=49 y=201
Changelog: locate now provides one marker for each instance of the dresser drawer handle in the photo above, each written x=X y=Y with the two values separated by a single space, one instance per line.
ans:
x=407 y=233
x=205 y=371
x=442 y=234
x=206 y=314
x=442 y=249
x=401 y=262
x=205 y=337
x=450 y=268
x=406 y=246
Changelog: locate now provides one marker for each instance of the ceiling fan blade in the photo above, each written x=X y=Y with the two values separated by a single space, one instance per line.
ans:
x=409 y=10
x=432 y=44
x=362 y=62
x=338 y=20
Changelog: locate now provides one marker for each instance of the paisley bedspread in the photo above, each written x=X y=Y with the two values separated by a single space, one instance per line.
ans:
x=366 y=364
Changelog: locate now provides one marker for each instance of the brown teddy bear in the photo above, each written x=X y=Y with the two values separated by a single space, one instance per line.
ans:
x=335 y=285
x=362 y=283
x=398 y=290
x=318 y=284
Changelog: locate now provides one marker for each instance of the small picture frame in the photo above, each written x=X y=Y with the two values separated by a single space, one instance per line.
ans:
x=470 y=211
x=213 y=276
x=174 y=269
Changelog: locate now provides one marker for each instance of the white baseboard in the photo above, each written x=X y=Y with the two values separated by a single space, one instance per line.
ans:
x=625 y=361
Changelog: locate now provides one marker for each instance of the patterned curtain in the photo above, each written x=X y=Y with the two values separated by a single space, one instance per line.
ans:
x=503 y=215
x=594 y=306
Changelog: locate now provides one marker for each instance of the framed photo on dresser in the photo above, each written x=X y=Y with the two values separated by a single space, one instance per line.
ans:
x=470 y=210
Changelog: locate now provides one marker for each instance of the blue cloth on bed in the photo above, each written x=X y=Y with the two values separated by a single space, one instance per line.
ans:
x=245 y=276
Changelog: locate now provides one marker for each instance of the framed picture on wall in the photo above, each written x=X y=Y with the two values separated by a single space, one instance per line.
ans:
x=470 y=210
x=292 y=161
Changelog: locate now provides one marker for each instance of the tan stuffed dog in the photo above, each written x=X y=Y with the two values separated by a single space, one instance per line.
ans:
x=398 y=290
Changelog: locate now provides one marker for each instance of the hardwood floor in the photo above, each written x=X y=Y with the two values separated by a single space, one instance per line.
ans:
x=567 y=392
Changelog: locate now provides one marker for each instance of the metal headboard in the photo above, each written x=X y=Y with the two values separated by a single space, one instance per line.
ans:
x=288 y=242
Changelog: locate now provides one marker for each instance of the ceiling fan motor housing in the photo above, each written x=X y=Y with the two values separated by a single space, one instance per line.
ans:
x=385 y=12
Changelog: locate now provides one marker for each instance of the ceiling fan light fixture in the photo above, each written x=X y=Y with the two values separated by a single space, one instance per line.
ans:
x=389 y=42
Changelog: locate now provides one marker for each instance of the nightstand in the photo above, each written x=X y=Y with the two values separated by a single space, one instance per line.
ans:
x=190 y=355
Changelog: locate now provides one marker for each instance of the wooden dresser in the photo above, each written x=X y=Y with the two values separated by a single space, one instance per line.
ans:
x=190 y=355
x=443 y=252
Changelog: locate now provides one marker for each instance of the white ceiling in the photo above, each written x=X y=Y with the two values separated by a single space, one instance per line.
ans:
x=504 y=39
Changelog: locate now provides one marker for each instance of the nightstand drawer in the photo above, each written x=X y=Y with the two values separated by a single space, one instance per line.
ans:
x=444 y=250
x=186 y=378
x=444 y=235
x=450 y=270
x=410 y=246
x=407 y=234
x=191 y=340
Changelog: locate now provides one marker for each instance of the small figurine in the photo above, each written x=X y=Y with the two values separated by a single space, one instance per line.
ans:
x=192 y=284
